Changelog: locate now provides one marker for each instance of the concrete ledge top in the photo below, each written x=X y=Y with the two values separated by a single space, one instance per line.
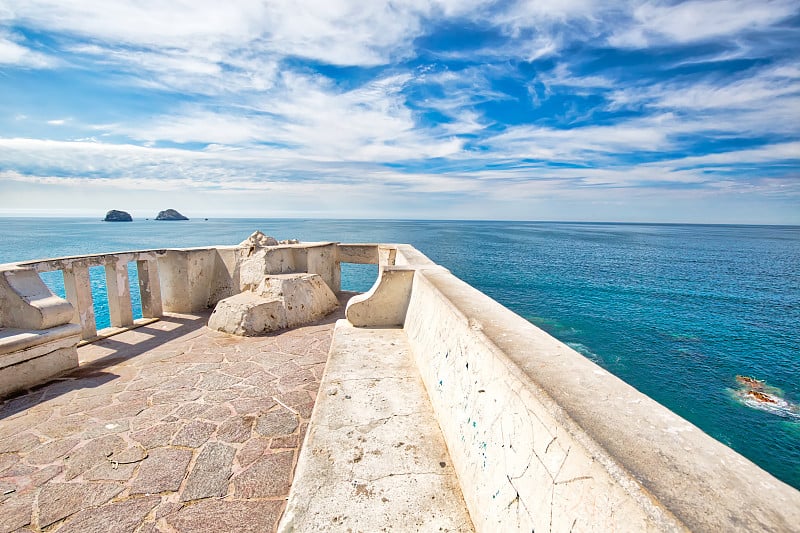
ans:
x=374 y=458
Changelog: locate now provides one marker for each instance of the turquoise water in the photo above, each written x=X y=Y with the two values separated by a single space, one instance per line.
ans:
x=677 y=311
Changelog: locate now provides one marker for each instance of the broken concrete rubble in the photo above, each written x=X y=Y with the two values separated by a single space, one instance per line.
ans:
x=280 y=301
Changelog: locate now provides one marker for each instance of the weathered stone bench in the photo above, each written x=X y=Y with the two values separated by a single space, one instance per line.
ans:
x=28 y=357
x=374 y=458
x=37 y=340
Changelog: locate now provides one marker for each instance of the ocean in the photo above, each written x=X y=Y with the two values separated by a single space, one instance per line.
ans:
x=677 y=311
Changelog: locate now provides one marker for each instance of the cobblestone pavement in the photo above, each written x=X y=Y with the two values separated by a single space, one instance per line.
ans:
x=170 y=427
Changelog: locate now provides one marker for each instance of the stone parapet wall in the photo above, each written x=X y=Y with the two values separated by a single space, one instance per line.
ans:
x=545 y=440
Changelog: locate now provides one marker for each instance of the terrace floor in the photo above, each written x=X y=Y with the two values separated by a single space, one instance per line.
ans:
x=170 y=427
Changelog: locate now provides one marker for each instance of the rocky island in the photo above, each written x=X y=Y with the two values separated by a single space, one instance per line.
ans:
x=117 y=216
x=170 y=214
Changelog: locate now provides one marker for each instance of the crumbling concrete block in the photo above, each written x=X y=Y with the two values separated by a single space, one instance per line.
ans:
x=280 y=301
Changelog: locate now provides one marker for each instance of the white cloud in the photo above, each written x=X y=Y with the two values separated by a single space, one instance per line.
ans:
x=585 y=144
x=314 y=119
x=13 y=53
x=699 y=20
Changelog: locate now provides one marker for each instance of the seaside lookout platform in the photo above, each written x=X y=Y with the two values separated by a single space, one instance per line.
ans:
x=421 y=405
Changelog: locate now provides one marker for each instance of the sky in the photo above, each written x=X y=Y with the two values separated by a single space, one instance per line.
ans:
x=575 y=110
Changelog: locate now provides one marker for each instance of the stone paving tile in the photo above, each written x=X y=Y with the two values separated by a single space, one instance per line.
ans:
x=268 y=477
x=170 y=427
x=120 y=517
x=162 y=471
x=194 y=434
x=239 y=516
x=60 y=500
x=210 y=474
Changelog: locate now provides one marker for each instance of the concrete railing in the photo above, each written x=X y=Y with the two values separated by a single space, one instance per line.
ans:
x=542 y=439
x=78 y=288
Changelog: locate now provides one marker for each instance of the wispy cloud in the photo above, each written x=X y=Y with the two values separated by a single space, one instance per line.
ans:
x=700 y=20
x=14 y=52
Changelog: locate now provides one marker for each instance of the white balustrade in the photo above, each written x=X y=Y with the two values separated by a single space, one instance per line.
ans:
x=78 y=287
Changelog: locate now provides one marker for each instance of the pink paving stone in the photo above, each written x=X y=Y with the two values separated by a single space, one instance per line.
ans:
x=246 y=370
x=287 y=441
x=19 y=443
x=190 y=410
x=236 y=429
x=10 y=428
x=245 y=406
x=194 y=434
x=60 y=500
x=219 y=396
x=163 y=470
x=227 y=517
x=269 y=476
x=108 y=472
x=20 y=469
x=157 y=435
x=217 y=413
x=37 y=478
x=16 y=512
x=218 y=381
x=47 y=453
x=252 y=450
x=119 y=410
x=20 y=405
x=119 y=517
x=91 y=454
x=276 y=423
x=150 y=416
x=64 y=426
x=99 y=428
x=285 y=370
x=210 y=474
x=176 y=396
x=86 y=404
x=7 y=460
x=298 y=379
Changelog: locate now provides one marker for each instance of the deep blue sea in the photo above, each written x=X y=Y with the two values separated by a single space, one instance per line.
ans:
x=677 y=311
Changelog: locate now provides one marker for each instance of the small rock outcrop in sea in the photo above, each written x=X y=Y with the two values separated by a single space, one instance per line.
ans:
x=117 y=216
x=757 y=394
x=170 y=214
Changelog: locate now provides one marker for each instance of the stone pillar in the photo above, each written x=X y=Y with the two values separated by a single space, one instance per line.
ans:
x=79 y=294
x=119 y=293
x=149 y=289
x=324 y=260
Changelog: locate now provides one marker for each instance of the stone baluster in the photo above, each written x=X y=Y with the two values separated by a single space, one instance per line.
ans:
x=119 y=293
x=79 y=294
x=150 y=288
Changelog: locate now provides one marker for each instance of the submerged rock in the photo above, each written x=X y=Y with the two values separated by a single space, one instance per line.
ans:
x=170 y=214
x=757 y=394
x=117 y=216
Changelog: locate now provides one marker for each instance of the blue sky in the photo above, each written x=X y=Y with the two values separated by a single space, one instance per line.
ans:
x=450 y=109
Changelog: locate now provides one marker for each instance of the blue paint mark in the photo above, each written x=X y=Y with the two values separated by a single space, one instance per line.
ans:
x=474 y=424
x=440 y=382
